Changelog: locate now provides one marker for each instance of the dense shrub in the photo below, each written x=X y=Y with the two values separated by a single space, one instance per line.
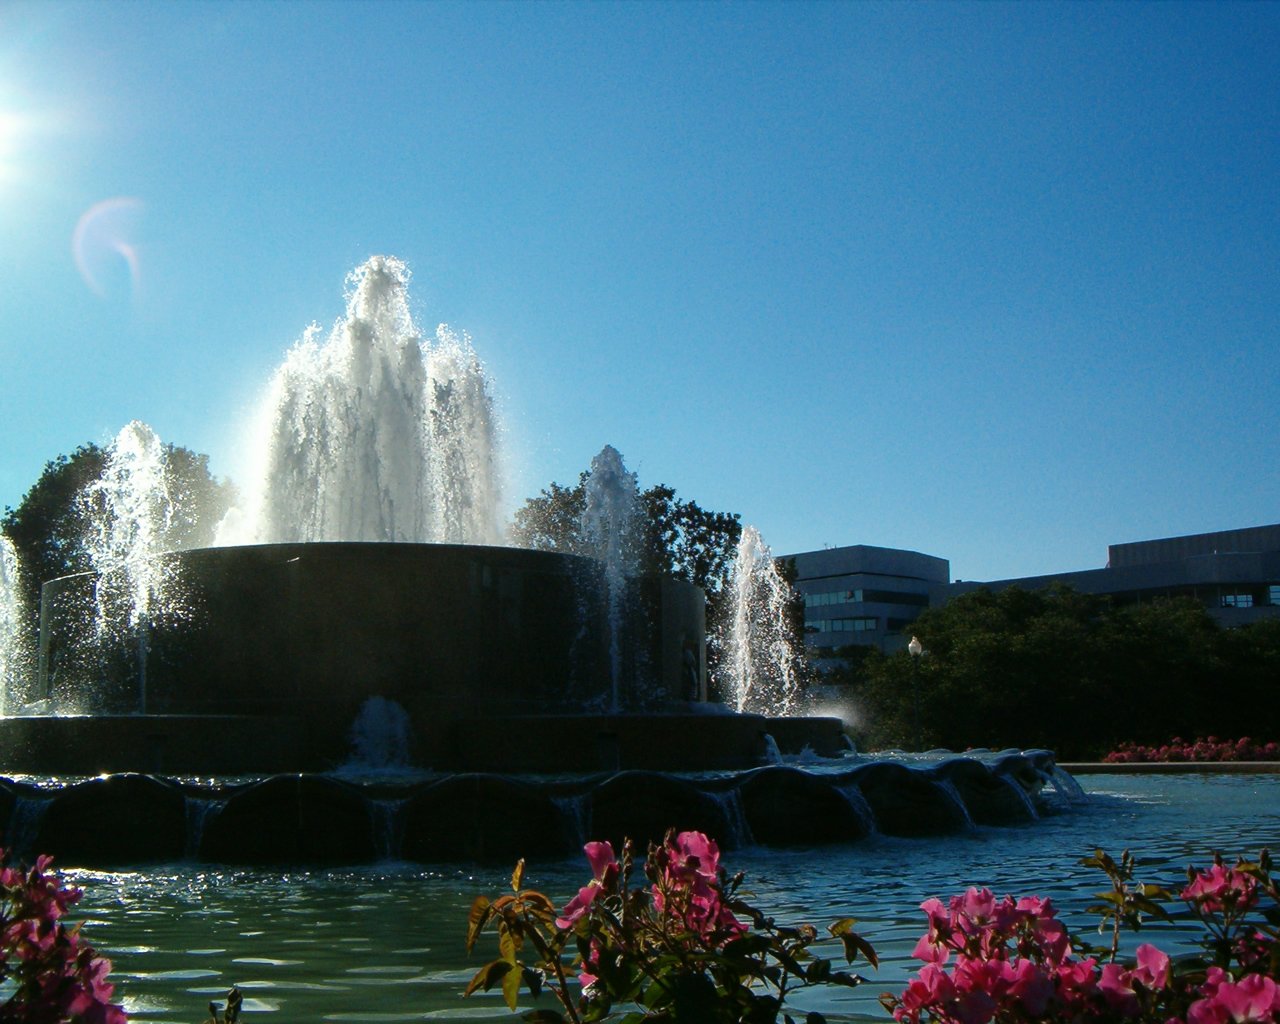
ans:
x=1210 y=749
x=687 y=948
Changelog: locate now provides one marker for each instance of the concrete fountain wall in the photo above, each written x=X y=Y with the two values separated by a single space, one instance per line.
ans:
x=278 y=645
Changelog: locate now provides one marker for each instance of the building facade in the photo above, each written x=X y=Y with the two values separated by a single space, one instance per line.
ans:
x=869 y=596
x=1235 y=574
x=863 y=595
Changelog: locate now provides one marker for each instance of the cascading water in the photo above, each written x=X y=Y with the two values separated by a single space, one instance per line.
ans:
x=10 y=621
x=375 y=434
x=608 y=531
x=760 y=660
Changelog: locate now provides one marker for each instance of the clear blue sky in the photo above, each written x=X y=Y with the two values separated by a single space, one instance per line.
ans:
x=994 y=282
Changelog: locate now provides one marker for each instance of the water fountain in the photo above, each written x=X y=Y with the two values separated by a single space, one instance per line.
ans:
x=376 y=434
x=362 y=577
x=10 y=620
x=608 y=528
x=760 y=663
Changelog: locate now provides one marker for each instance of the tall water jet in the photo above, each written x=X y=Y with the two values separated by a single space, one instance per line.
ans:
x=129 y=512
x=608 y=533
x=375 y=434
x=761 y=662
x=463 y=444
x=10 y=621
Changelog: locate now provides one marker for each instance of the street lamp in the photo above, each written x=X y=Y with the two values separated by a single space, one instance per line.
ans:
x=915 y=649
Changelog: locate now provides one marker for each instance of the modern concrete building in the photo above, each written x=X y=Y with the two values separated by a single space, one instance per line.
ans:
x=869 y=596
x=865 y=595
x=1235 y=574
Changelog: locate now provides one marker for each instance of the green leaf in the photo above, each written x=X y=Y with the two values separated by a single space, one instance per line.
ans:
x=511 y=989
x=509 y=944
x=853 y=942
x=750 y=944
x=476 y=920
x=488 y=976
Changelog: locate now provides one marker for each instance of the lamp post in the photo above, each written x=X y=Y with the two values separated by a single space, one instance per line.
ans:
x=915 y=649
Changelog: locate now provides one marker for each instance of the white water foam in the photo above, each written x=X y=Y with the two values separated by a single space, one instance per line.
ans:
x=129 y=511
x=374 y=434
x=608 y=529
x=760 y=666
x=10 y=621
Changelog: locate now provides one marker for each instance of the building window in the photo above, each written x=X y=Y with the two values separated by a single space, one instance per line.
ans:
x=1237 y=600
x=861 y=624
x=1274 y=592
x=896 y=597
x=826 y=597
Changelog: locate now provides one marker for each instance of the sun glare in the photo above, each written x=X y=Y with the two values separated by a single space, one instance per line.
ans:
x=10 y=130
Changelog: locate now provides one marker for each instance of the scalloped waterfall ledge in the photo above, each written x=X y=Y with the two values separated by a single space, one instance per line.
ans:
x=133 y=819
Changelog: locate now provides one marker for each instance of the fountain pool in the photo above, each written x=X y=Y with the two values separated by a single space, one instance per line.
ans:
x=385 y=943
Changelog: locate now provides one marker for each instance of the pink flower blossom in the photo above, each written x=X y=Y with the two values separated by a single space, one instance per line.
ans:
x=1219 y=886
x=604 y=869
x=1254 y=998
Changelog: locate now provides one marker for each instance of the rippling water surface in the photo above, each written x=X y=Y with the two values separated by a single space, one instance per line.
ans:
x=385 y=943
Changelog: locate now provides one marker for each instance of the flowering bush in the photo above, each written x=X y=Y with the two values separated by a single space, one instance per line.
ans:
x=988 y=960
x=48 y=973
x=1211 y=749
x=680 y=949
x=688 y=949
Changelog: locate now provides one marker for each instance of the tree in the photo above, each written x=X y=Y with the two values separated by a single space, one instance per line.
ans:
x=49 y=526
x=679 y=538
x=1072 y=672
x=550 y=522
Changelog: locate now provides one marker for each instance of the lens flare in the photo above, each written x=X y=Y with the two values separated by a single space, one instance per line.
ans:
x=102 y=241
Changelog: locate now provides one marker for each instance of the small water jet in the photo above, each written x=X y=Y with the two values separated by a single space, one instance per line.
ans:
x=11 y=621
x=129 y=512
x=381 y=738
x=760 y=664
x=608 y=530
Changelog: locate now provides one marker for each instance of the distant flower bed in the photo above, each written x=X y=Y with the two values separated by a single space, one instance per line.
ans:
x=1211 y=749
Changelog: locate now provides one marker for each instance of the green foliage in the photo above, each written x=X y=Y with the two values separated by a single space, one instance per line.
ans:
x=1128 y=902
x=49 y=526
x=1068 y=671
x=678 y=538
x=675 y=951
x=550 y=521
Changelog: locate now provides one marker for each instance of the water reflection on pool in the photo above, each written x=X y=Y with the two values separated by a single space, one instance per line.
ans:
x=385 y=943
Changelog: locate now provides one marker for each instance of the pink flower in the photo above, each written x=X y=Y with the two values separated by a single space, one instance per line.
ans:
x=1116 y=986
x=1153 y=969
x=1031 y=985
x=1218 y=886
x=686 y=886
x=931 y=987
x=604 y=869
x=1253 y=998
